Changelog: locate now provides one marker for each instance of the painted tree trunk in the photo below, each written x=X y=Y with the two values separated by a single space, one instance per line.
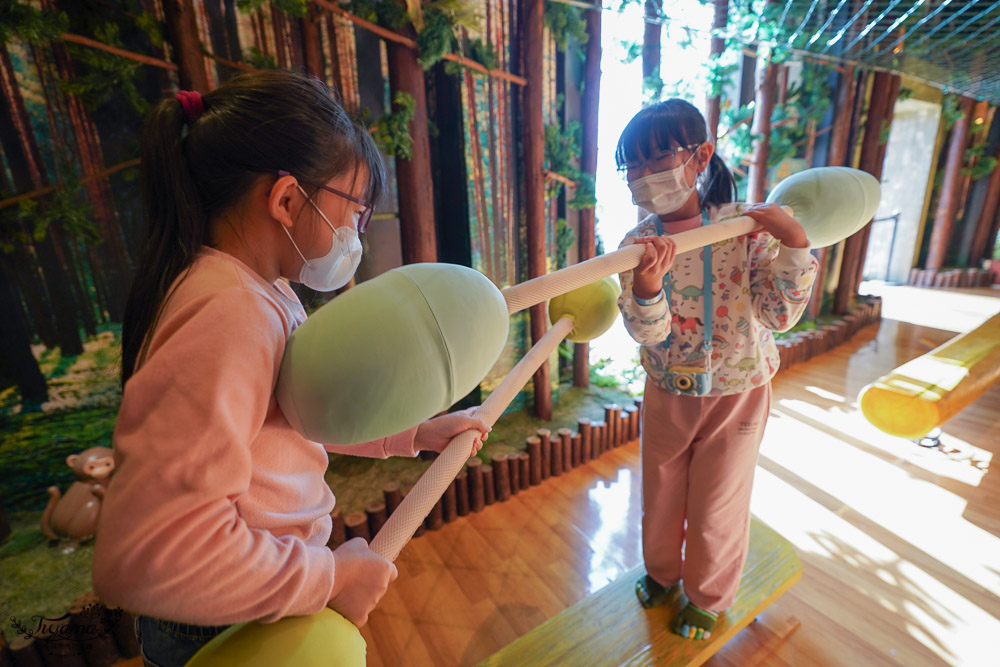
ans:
x=413 y=177
x=312 y=50
x=588 y=165
x=182 y=31
x=17 y=358
x=944 y=219
x=651 y=40
x=872 y=153
x=979 y=249
x=716 y=47
x=533 y=124
x=767 y=83
x=976 y=221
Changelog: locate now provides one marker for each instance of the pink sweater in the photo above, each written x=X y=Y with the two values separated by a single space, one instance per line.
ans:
x=218 y=512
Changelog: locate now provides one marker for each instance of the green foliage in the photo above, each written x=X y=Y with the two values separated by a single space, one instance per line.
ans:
x=562 y=152
x=153 y=28
x=565 y=238
x=632 y=51
x=255 y=58
x=951 y=112
x=107 y=74
x=22 y=21
x=565 y=22
x=392 y=132
x=483 y=53
x=437 y=38
x=719 y=74
x=295 y=8
x=980 y=164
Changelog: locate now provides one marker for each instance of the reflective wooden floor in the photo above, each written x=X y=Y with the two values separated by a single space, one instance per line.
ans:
x=900 y=544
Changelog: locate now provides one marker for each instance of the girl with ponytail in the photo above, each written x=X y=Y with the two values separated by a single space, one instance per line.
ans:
x=218 y=512
x=704 y=320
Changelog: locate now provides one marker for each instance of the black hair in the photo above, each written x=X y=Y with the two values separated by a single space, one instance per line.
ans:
x=668 y=124
x=192 y=172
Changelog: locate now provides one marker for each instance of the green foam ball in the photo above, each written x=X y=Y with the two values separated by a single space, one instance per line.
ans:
x=325 y=638
x=393 y=351
x=831 y=203
x=593 y=309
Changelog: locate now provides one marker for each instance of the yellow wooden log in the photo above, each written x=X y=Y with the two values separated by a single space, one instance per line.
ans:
x=610 y=627
x=926 y=392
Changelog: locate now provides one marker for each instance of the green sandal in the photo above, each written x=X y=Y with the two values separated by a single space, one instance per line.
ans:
x=650 y=592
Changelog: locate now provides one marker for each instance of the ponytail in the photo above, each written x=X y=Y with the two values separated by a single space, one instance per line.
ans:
x=719 y=186
x=176 y=225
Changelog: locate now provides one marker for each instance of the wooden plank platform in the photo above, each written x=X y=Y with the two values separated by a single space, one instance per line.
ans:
x=610 y=627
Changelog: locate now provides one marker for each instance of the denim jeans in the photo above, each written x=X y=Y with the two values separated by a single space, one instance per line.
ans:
x=170 y=644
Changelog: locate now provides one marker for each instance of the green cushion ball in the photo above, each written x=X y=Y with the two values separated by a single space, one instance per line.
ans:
x=830 y=203
x=325 y=638
x=393 y=351
x=593 y=309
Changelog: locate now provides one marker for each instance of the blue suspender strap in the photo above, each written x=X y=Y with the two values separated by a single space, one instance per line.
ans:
x=707 y=293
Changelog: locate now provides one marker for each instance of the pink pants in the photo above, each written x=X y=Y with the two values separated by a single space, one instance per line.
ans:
x=698 y=460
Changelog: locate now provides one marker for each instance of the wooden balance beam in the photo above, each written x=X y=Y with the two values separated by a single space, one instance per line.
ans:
x=610 y=627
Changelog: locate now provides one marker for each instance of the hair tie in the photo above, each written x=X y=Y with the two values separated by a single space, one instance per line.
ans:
x=192 y=104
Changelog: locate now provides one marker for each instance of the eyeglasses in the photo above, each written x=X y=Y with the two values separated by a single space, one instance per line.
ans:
x=661 y=162
x=366 y=214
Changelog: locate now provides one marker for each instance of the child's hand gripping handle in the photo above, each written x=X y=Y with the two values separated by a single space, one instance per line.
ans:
x=534 y=291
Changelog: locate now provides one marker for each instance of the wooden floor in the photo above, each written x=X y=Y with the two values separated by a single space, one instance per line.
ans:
x=900 y=544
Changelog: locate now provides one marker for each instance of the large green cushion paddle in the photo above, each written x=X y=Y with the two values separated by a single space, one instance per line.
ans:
x=831 y=203
x=391 y=352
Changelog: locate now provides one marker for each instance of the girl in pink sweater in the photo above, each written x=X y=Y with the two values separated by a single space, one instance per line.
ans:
x=218 y=512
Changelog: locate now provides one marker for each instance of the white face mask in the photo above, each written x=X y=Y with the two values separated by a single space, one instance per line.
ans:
x=334 y=269
x=663 y=192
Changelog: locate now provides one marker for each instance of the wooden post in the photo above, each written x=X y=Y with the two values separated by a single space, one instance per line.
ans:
x=513 y=463
x=575 y=445
x=566 y=436
x=837 y=157
x=377 y=516
x=600 y=437
x=312 y=50
x=609 y=419
x=524 y=469
x=589 y=107
x=873 y=164
x=477 y=495
x=633 y=422
x=871 y=151
x=338 y=531
x=413 y=176
x=716 y=46
x=24 y=651
x=435 y=519
x=489 y=485
x=450 y=500
x=767 y=84
x=501 y=471
x=652 y=30
x=357 y=526
x=89 y=618
x=393 y=494
x=182 y=31
x=556 y=461
x=623 y=438
x=944 y=219
x=545 y=436
x=979 y=250
x=534 y=444
x=533 y=140
x=583 y=426
x=124 y=631
x=462 y=493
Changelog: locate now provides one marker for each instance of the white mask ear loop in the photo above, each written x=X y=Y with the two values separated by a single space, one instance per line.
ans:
x=321 y=214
